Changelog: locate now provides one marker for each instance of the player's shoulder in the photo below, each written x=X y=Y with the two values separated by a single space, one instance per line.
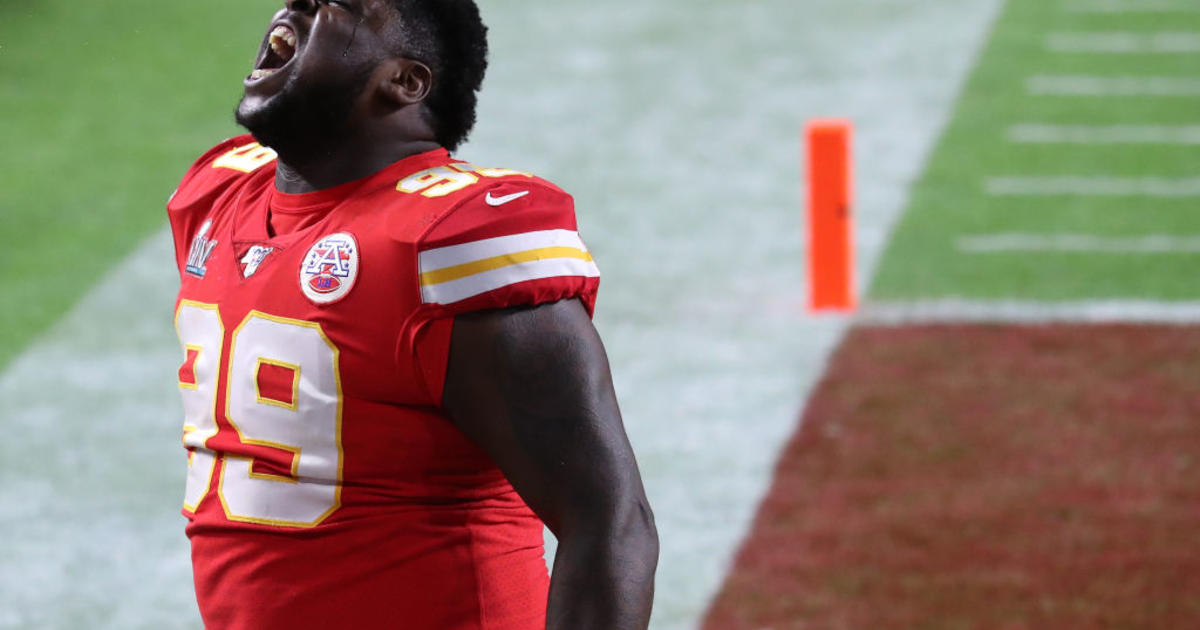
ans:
x=443 y=178
x=483 y=202
x=217 y=169
x=492 y=238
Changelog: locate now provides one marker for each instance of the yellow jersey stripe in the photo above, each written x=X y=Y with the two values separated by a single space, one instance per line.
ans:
x=480 y=283
x=458 y=272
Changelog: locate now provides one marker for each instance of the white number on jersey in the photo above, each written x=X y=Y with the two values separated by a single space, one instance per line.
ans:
x=305 y=422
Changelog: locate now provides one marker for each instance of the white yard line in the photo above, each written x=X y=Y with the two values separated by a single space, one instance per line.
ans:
x=1123 y=43
x=1032 y=133
x=1078 y=243
x=1084 y=85
x=1092 y=186
x=963 y=311
x=1130 y=6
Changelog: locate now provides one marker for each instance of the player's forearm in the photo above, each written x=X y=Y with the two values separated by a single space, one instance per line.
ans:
x=604 y=576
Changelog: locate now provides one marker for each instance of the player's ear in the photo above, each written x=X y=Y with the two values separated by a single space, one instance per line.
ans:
x=405 y=81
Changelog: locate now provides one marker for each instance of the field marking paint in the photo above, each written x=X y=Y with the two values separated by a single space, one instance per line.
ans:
x=1092 y=186
x=964 y=311
x=1085 y=85
x=1130 y=6
x=1123 y=43
x=1032 y=133
x=1078 y=243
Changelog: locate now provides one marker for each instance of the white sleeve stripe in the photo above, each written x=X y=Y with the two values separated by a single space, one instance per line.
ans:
x=456 y=255
x=480 y=283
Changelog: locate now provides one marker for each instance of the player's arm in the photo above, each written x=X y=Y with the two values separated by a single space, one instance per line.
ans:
x=532 y=386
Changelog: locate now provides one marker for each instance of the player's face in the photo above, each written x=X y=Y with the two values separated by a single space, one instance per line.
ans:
x=313 y=68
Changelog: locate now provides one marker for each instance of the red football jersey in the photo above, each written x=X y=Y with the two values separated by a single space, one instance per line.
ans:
x=326 y=488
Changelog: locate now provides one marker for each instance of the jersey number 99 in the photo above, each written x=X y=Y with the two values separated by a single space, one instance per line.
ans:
x=298 y=428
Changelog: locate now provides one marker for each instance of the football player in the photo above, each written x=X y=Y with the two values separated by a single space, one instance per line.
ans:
x=390 y=375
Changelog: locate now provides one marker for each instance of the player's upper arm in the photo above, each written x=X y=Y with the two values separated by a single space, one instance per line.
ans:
x=527 y=379
x=532 y=387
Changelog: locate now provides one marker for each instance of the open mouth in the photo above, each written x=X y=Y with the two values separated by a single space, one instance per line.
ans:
x=280 y=50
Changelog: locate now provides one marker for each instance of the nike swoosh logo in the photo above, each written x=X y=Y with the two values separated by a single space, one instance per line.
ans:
x=500 y=201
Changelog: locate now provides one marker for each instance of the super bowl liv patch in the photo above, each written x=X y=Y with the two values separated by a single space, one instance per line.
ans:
x=202 y=248
x=330 y=268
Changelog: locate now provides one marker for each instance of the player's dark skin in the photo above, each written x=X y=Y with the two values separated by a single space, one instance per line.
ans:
x=532 y=386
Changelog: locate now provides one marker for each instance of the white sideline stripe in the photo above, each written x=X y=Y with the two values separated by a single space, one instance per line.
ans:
x=1092 y=186
x=1078 y=243
x=1123 y=43
x=963 y=311
x=1130 y=6
x=109 y=363
x=1030 y=133
x=1084 y=85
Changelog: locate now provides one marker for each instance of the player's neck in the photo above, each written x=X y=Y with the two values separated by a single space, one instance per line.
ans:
x=348 y=162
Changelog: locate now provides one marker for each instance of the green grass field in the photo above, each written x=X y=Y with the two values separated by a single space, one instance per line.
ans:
x=676 y=126
x=105 y=104
x=927 y=258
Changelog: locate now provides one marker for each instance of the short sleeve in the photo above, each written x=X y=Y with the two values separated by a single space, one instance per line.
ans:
x=515 y=245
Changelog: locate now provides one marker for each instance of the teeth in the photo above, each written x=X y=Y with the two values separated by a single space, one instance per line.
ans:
x=261 y=74
x=283 y=35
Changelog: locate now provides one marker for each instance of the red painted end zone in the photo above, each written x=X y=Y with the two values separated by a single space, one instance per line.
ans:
x=990 y=477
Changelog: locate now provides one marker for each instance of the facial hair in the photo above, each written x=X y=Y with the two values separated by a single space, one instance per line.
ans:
x=304 y=122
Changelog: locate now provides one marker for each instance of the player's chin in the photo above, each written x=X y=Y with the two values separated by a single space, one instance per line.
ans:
x=249 y=108
x=253 y=112
x=259 y=95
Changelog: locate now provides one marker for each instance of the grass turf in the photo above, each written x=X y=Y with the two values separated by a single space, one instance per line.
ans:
x=105 y=105
x=950 y=201
x=1046 y=477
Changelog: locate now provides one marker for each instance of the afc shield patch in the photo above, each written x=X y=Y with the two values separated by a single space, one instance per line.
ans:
x=330 y=268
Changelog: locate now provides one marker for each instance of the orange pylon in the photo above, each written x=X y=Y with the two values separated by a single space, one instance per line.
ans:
x=830 y=216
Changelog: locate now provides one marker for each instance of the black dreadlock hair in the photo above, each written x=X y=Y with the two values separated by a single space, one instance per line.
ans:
x=450 y=38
